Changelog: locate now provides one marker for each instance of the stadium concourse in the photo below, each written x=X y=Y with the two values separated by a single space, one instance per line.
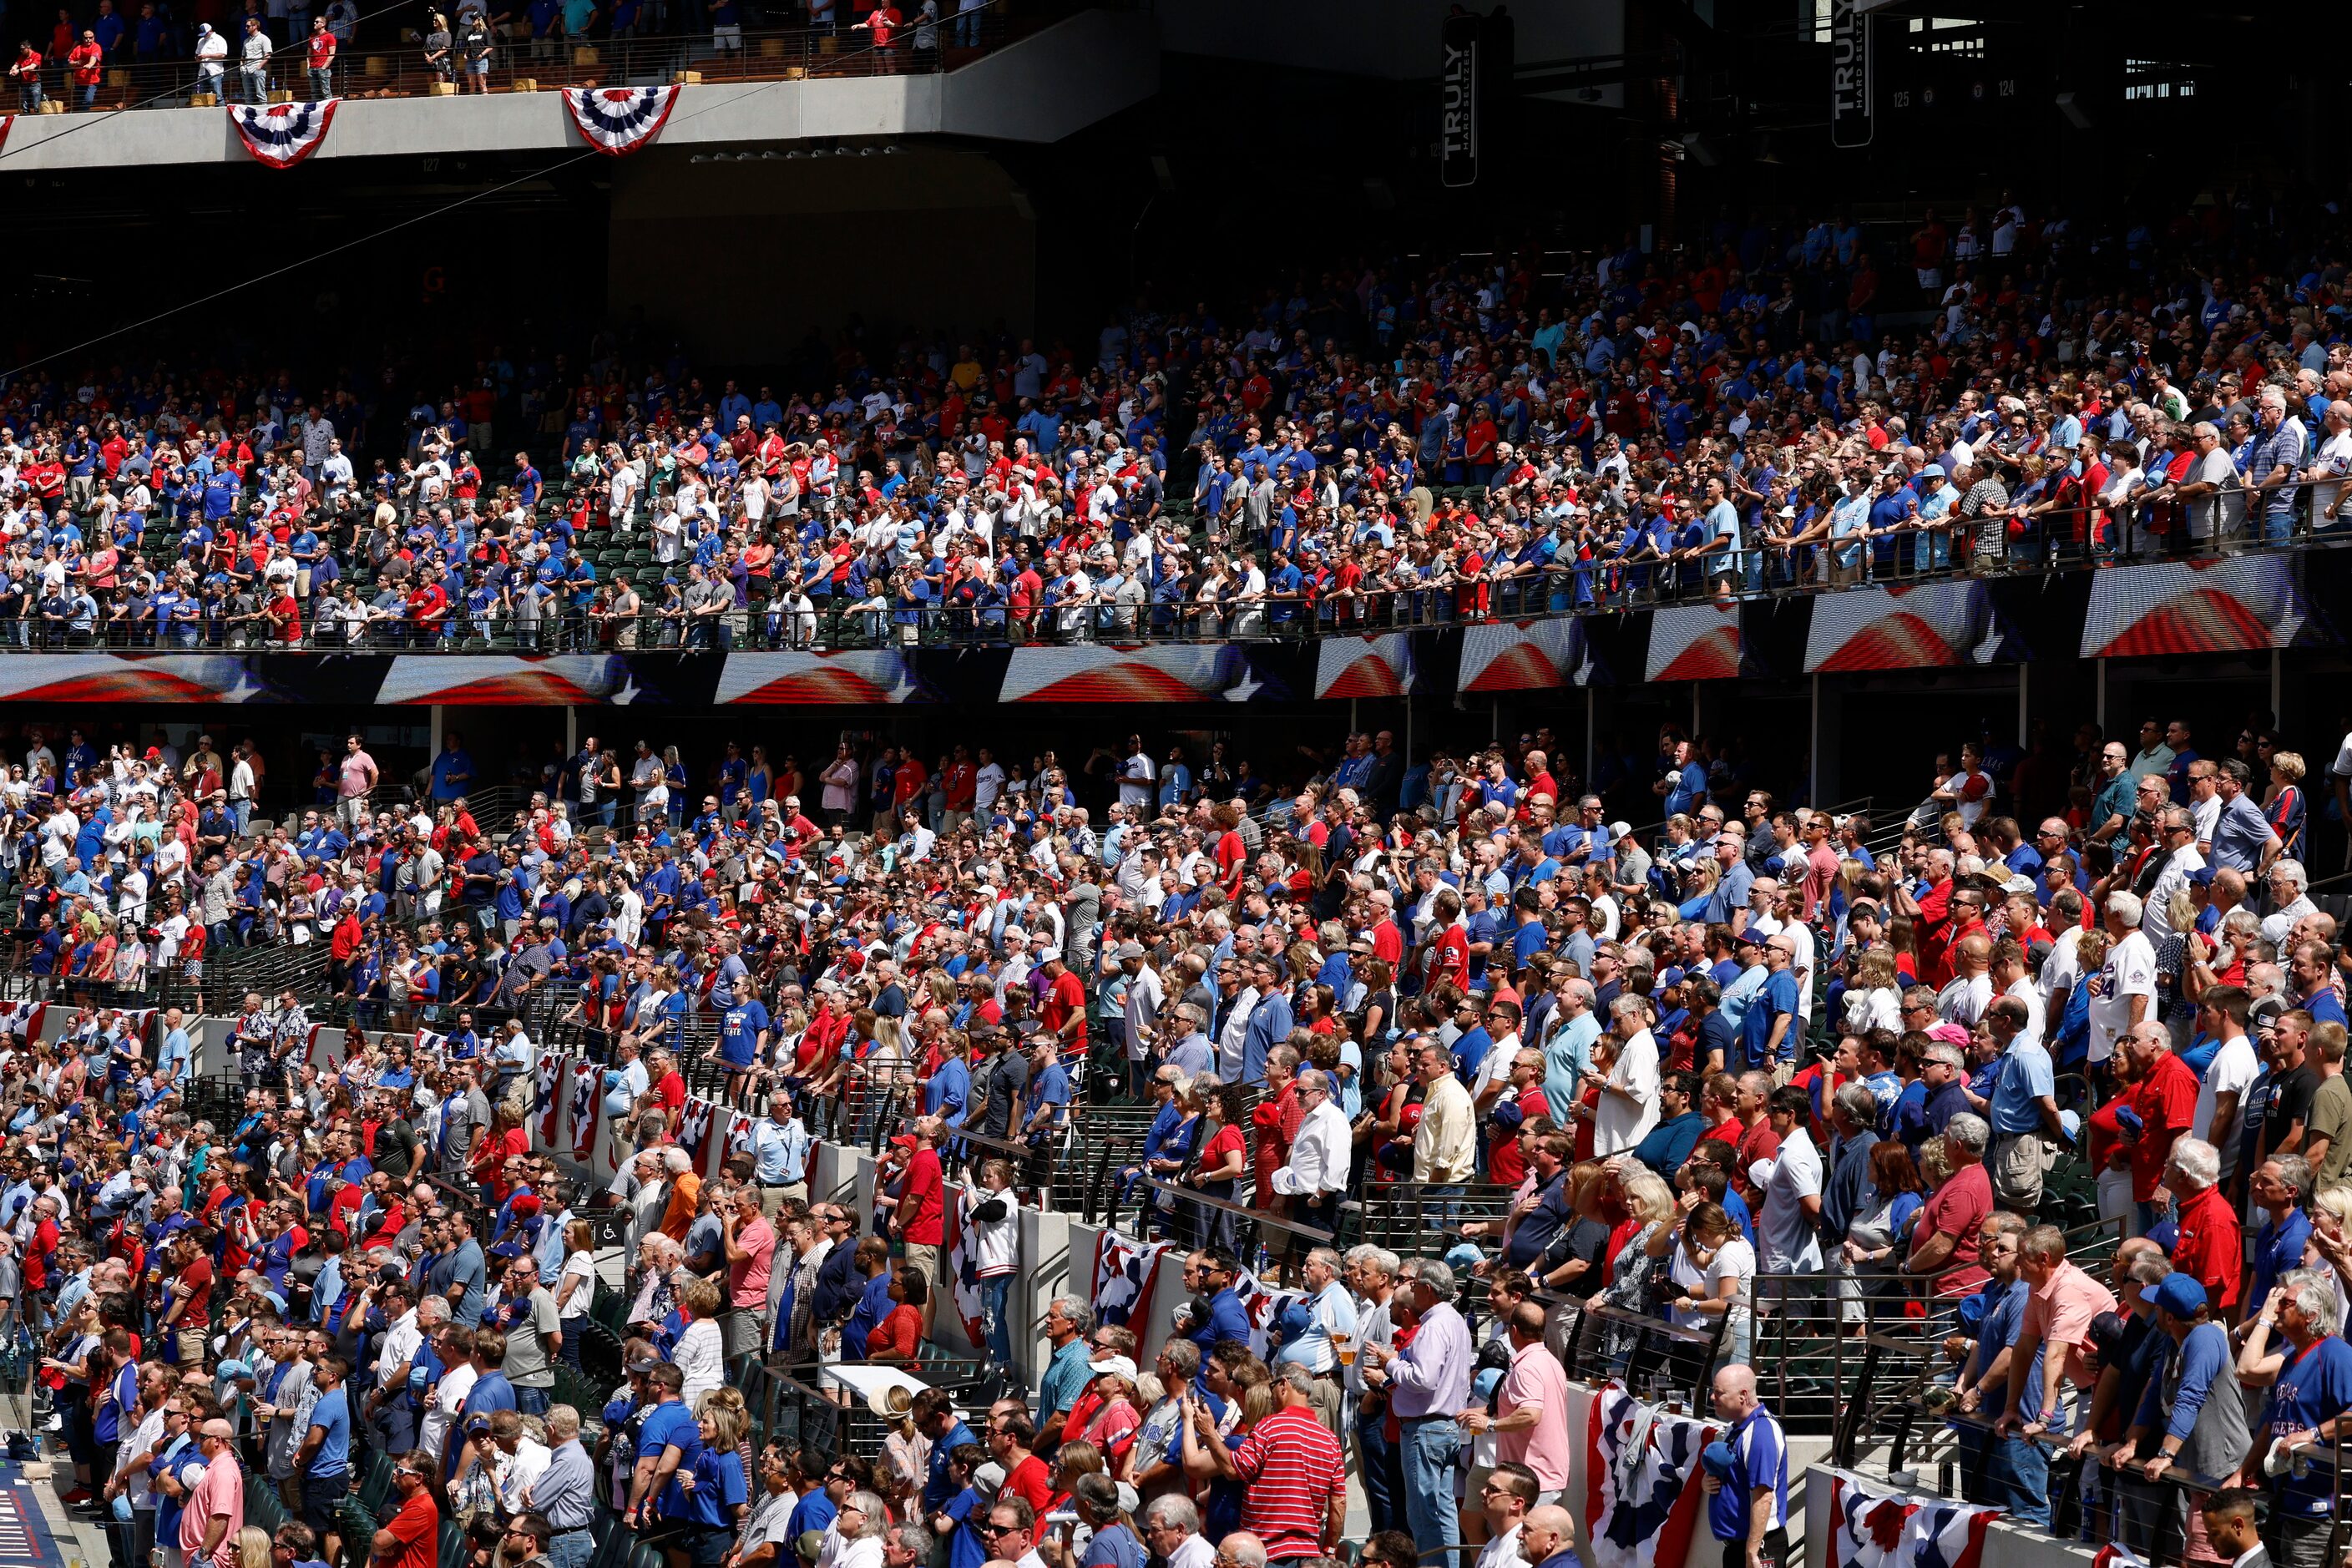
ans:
x=1143 y=1151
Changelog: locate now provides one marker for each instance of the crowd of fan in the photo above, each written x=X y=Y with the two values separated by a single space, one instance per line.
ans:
x=1751 y=1069
x=1393 y=444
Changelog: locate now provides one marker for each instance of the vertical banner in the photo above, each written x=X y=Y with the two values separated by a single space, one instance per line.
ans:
x=1458 y=113
x=587 y=1108
x=547 y=1098
x=1853 y=101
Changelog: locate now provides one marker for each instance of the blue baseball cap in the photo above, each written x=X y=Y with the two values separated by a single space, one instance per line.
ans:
x=2177 y=1294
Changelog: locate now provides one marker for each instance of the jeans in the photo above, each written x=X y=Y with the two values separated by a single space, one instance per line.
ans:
x=1432 y=1447
x=530 y=1401
x=2017 y=1477
x=967 y=29
x=253 y=82
x=208 y=80
x=1378 y=1460
x=574 y=1330
x=2278 y=525
x=322 y=84
x=570 y=1549
x=993 y=1292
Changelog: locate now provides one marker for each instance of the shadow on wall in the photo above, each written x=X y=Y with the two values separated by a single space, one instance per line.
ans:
x=920 y=238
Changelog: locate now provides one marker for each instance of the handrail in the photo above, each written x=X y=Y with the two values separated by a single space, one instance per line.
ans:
x=1759 y=573
x=1239 y=1211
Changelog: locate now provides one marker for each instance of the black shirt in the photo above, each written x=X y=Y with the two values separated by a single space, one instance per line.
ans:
x=2290 y=1094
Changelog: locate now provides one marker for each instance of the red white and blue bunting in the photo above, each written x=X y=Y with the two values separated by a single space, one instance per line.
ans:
x=282 y=134
x=617 y=121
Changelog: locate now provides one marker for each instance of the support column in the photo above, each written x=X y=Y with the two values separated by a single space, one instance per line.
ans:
x=2024 y=676
x=2278 y=689
x=2100 y=704
x=1828 y=741
x=1592 y=731
x=437 y=730
x=571 y=730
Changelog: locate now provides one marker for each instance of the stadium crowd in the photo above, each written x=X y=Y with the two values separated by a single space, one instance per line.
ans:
x=1739 y=1067
x=1744 y=1068
x=1393 y=446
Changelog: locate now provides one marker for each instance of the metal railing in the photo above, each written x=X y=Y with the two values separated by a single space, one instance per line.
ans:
x=891 y=618
x=515 y=61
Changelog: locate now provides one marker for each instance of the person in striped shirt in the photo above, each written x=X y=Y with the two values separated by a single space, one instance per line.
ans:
x=1296 y=1478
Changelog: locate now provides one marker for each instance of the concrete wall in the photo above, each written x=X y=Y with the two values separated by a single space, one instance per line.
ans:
x=1040 y=88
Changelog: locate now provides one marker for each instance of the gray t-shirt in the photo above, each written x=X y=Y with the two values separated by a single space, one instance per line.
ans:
x=527 y=1365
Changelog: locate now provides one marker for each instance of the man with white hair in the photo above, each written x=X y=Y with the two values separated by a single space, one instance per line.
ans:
x=1316 y=1174
x=2305 y=1409
x=2210 y=1250
x=2123 y=994
x=1171 y=1531
x=2288 y=881
x=1629 y=1093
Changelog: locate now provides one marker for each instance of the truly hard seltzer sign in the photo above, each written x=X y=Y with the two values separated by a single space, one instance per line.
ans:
x=1458 y=114
x=1851 y=120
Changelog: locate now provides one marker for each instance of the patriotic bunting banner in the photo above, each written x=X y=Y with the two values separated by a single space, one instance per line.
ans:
x=2234 y=605
x=118 y=678
x=1871 y=1528
x=1694 y=643
x=1933 y=626
x=963 y=1268
x=427 y=1040
x=693 y=1130
x=1125 y=1270
x=282 y=134
x=1643 y=1494
x=7 y=123
x=586 y=1104
x=22 y=1020
x=1532 y=656
x=1379 y=666
x=879 y=675
x=1264 y=1306
x=499 y=681
x=738 y=1134
x=545 y=1097
x=1197 y=672
x=617 y=121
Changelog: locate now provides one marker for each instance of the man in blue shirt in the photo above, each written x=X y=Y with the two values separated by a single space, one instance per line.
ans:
x=1747 y=1476
x=1769 y=1029
x=324 y=1459
x=669 y=1440
x=1228 y=1319
x=936 y=1420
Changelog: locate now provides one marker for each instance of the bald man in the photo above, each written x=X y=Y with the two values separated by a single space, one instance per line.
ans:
x=1548 y=1537
x=215 y=1512
x=1747 y=1476
x=1964 y=1000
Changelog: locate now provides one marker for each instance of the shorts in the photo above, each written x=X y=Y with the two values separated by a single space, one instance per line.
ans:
x=2020 y=1161
x=323 y=1498
x=709 y=1548
x=923 y=1257
x=192 y=1346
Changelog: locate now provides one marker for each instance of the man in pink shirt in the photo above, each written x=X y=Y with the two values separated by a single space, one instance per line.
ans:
x=216 y=1507
x=2057 y=1322
x=1530 y=1419
x=751 y=1244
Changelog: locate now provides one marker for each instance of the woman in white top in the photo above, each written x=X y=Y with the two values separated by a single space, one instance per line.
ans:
x=699 y=1354
x=1714 y=1271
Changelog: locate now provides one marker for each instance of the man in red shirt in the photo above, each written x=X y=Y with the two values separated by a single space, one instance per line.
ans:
x=920 y=1212
x=189 y=1314
x=2212 y=1250
x=87 y=63
x=2165 y=1101
x=1064 y=1009
x=1296 y=1480
x=962 y=786
x=1948 y=1236
x=411 y=1537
